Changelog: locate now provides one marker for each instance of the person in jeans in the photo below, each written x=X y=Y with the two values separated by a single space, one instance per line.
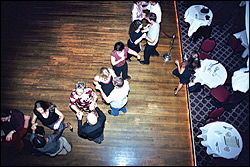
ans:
x=93 y=128
x=54 y=144
x=118 y=98
x=152 y=39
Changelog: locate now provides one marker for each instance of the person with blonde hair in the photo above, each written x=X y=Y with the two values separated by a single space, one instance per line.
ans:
x=104 y=77
x=82 y=98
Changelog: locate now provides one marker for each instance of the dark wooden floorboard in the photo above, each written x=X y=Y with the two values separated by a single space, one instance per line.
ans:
x=46 y=47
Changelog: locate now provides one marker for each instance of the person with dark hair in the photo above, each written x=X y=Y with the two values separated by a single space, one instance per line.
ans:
x=118 y=59
x=82 y=98
x=194 y=60
x=118 y=98
x=183 y=73
x=136 y=11
x=154 y=7
x=144 y=16
x=136 y=34
x=49 y=115
x=93 y=128
x=14 y=126
x=54 y=144
x=152 y=39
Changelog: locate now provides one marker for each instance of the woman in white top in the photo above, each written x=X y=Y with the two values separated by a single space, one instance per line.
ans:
x=136 y=12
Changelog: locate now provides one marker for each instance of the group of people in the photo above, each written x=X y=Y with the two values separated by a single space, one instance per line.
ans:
x=113 y=87
x=149 y=11
x=83 y=101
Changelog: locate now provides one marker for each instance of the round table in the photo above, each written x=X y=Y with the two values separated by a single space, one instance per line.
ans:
x=240 y=80
x=195 y=18
x=221 y=140
x=212 y=73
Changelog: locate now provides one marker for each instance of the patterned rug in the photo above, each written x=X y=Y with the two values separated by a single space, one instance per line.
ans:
x=199 y=106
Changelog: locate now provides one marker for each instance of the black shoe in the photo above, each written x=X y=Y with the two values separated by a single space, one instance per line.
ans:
x=109 y=111
x=142 y=62
x=128 y=78
x=154 y=55
x=175 y=91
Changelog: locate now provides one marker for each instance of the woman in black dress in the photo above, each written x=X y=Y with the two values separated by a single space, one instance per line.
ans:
x=185 y=70
x=136 y=34
x=183 y=73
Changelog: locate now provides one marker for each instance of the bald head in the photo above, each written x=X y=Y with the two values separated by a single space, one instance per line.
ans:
x=91 y=118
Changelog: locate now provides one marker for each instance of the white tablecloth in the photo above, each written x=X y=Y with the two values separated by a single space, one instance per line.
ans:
x=244 y=42
x=195 y=18
x=221 y=140
x=212 y=73
x=240 y=80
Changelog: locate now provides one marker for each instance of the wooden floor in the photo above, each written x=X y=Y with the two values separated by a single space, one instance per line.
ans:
x=46 y=47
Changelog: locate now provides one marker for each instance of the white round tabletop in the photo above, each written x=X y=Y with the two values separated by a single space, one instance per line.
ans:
x=211 y=73
x=222 y=140
x=196 y=18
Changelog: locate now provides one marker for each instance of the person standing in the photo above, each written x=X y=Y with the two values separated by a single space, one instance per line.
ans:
x=183 y=73
x=118 y=59
x=54 y=144
x=118 y=98
x=104 y=77
x=93 y=128
x=49 y=115
x=152 y=39
x=136 y=11
x=136 y=35
x=154 y=7
x=83 y=98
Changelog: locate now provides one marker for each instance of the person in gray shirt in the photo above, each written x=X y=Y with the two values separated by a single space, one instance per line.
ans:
x=52 y=145
x=152 y=39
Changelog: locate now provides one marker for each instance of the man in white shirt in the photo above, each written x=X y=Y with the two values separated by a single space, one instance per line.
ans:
x=118 y=98
x=154 y=7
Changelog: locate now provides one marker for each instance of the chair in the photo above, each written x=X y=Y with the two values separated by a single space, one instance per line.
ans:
x=216 y=113
x=204 y=56
x=208 y=45
x=220 y=93
x=235 y=44
x=214 y=116
x=229 y=78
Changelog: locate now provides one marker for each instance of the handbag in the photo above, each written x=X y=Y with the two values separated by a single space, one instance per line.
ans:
x=195 y=88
